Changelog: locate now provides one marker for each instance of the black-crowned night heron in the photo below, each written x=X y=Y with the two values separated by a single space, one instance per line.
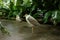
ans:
x=32 y=21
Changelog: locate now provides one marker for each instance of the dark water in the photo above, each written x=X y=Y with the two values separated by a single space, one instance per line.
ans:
x=22 y=31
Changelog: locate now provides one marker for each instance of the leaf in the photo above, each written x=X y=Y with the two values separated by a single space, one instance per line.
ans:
x=46 y=16
x=27 y=3
x=56 y=15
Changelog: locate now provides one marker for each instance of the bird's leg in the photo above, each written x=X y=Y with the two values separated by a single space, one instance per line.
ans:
x=32 y=29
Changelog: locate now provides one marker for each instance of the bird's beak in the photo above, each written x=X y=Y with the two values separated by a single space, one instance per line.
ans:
x=24 y=16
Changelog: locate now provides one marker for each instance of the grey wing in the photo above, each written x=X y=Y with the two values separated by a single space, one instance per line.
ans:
x=33 y=21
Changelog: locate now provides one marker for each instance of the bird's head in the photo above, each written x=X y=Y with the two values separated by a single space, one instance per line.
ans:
x=25 y=15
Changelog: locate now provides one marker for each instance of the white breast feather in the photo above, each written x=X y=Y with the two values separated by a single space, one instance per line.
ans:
x=32 y=21
x=28 y=20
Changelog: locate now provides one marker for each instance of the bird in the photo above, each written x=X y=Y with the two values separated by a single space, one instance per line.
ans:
x=18 y=18
x=32 y=21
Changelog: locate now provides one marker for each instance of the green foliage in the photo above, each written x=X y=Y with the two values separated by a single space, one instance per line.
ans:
x=46 y=16
x=21 y=7
x=3 y=29
x=56 y=16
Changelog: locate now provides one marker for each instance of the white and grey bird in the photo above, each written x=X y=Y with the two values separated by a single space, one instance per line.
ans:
x=32 y=21
x=18 y=18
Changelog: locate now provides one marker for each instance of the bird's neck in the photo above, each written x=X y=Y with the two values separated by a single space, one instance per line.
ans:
x=27 y=15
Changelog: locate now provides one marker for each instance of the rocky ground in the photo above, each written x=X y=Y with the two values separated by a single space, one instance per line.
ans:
x=22 y=31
